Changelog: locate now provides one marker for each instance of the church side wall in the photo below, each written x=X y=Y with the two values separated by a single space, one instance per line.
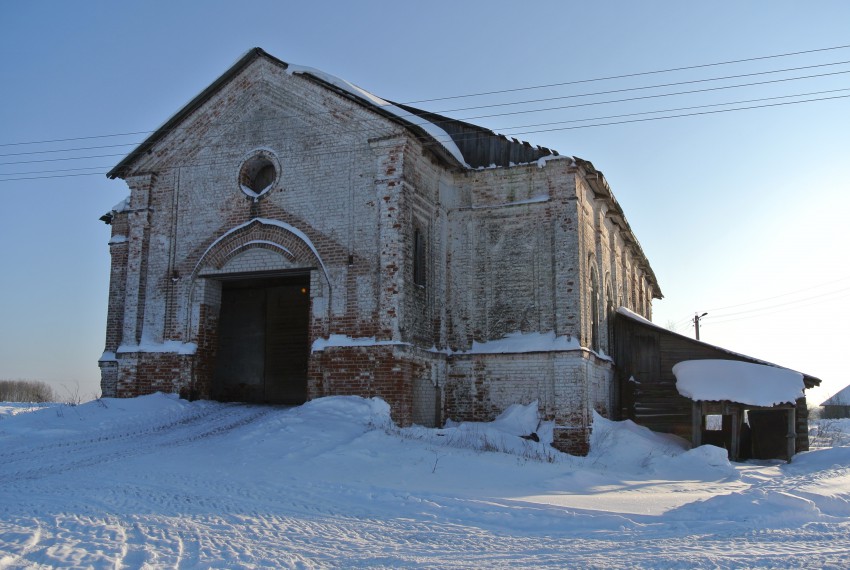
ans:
x=510 y=255
x=606 y=250
x=568 y=387
x=515 y=265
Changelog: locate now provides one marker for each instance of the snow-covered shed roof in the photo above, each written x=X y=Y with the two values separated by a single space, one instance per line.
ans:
x=736 y=381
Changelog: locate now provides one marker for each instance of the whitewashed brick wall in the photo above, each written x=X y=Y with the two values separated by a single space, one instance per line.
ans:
x=508 y=249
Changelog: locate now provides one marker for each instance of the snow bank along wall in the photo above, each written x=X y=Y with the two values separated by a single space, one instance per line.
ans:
x=286 y=238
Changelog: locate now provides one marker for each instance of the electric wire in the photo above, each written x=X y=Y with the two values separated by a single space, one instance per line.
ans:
x=756 y=313
x=785 y=304
x=626 y=75
x=448 y=139
x=780 y=295
x=645 y=87
x=712 y=312
x=777 y=308
x=336 y=150
x=510 y=130
x=505 y=130
x=655 y=96
x=521 y=102
x=695 y=114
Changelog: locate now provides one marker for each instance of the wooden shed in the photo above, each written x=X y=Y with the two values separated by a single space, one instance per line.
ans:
x=645 y=392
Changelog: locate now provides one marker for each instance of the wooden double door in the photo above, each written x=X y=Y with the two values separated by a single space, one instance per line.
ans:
x=263 y=348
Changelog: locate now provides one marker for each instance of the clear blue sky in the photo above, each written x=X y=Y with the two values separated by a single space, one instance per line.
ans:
x=742 y=214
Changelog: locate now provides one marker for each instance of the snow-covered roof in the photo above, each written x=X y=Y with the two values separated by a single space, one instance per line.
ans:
x=432 y=129
x=633 y=315
x=842 y=398
x=735 y=381
x=457 y=138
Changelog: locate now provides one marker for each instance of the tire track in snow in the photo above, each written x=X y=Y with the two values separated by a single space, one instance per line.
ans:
x=212 y=421
x=343 y=542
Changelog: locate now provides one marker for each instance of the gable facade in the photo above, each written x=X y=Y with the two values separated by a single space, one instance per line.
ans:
x=287 y=237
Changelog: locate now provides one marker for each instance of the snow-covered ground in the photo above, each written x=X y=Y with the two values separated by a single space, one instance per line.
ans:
x=158 y=482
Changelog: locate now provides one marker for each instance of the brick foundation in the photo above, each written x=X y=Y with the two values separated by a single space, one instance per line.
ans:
x=145 y=373
x=402 y=379
x=575 y=441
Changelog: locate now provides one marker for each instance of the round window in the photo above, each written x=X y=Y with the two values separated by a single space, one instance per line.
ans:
x=258 y=173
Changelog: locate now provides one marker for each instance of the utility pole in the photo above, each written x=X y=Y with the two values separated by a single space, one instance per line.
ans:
x=696 y=322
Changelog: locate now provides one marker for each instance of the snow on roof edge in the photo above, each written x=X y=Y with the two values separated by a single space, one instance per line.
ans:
x=631 y=314
x=437 y=133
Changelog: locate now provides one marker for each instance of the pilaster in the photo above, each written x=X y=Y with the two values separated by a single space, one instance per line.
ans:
x=389 y=155
x=138 y=221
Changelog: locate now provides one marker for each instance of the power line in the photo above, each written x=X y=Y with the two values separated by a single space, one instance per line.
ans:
x=48 y=141
x=785 y=304
x=367 y=128
x=657 y=95
x=132 y=133
x=507 y=129
x=333 y=150
x=100 y=168
x=755 y=313
x=627 y=75
x=781 y=295
x=723 y=317
x=645 y=87
x=410 y=116
x=682 y=115
x=68 y=149
x=768 y=309
x=439 y=123
x=60 y=159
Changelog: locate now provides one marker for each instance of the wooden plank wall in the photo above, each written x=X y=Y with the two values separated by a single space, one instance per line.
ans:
x=647 y=354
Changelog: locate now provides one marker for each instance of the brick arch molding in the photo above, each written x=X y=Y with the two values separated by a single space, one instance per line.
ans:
x=274 y=235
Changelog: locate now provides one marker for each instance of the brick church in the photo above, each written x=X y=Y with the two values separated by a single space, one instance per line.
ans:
x=289 y=235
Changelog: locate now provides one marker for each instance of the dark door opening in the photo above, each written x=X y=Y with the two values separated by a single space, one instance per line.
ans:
x=263 y=341
x=770 y=435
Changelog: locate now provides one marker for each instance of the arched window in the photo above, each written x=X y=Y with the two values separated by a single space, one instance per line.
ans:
x=610 y=311
x=594 y=308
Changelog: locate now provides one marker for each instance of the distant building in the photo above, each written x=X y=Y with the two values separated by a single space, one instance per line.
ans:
x=837 y=406
x=290 y=236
